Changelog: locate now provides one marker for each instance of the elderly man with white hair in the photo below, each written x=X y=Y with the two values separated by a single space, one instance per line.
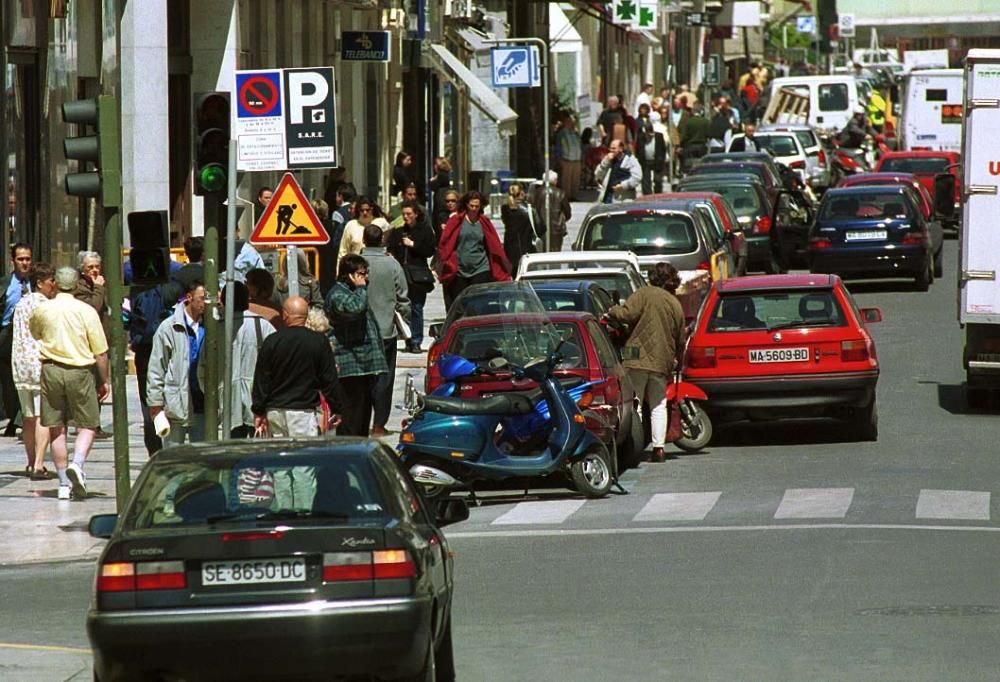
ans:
x=72 y=343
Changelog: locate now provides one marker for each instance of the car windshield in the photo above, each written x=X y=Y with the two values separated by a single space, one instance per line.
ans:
x=770 y=310
x=517 y=344
x=743 y=199
x=493 y=299
x=806 y=139
x=779 y=145
x=555 y=300
x=202 y=491
x=644 y=233
x=718 y=168
x=612 y=282
x=916 y=165
x=888 y=206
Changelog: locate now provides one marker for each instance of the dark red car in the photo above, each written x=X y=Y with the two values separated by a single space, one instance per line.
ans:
x=926 y=165
x=780 y=346
x=588 y=356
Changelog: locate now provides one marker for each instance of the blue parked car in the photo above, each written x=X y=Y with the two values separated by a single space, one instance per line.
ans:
x=867 y=232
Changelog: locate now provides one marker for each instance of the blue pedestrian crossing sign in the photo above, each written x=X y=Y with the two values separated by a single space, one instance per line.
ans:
x=805 y=24
x=515 y=67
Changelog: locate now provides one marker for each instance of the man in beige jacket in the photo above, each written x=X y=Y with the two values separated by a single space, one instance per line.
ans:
x=657 y=323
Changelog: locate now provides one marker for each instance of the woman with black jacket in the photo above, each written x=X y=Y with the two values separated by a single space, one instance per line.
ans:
x=403 y=173
x=521 y=225
x=412 y=244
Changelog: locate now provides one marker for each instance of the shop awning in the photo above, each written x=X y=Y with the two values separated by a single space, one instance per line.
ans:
x=441 y=59
x=563 y=37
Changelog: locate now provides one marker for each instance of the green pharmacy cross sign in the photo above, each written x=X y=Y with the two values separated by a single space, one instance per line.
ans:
x=647 y=17
x=625 y=10
x=637 y=14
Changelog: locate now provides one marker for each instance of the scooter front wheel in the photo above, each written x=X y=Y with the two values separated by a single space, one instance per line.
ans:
x=696 y=430
x=592 y=473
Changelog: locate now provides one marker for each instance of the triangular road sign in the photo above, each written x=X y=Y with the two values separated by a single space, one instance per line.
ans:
x=289 y=218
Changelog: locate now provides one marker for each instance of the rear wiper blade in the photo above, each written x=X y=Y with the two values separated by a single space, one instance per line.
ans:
x=301 y=514
x=801 y=323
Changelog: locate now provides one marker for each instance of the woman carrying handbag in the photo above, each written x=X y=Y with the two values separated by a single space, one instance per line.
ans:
x=412 y=244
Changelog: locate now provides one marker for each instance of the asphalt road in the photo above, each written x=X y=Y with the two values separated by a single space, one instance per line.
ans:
x=783 y=552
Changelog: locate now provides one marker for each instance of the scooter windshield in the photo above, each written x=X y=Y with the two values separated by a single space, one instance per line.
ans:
x=515 y=325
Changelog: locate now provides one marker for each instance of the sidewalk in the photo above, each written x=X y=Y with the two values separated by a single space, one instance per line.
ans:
x=35 y=527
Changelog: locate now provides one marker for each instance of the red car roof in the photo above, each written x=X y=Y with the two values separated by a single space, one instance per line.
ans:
x=881 y=177
x=488 y=320
x=921 y=154
x=684 y=195
x=796 y=281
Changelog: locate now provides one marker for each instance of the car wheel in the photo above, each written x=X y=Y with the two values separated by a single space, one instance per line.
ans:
x=865 y=422
x=444 y=658
x=939 y=263
x=696 y=433
x=592 y=473
x=923 y=280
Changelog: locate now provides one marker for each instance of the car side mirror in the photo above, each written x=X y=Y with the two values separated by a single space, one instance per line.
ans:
x=436 y=329
x=451 y=510
x=944 y=195
x=496 y=364
x=870 y=315
x=102 y=525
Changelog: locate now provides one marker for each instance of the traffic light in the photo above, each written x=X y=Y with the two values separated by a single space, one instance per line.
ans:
x=149 y=234
x=99 y=148
x=211 y=141
x=826 y=17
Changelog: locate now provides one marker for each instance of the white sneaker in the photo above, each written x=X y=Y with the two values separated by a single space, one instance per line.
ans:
x=64 y=492
x=78 y=479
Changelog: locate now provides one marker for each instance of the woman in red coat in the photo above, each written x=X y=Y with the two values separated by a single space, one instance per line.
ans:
x=470 y=251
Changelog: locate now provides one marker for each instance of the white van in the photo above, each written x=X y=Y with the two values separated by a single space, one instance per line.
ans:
x=831 y=98
x=932 y=110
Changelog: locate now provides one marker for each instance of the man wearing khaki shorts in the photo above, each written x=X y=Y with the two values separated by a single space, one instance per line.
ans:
x=72 y=342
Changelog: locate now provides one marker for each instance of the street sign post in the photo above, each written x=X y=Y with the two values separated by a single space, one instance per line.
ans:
x=515 y=66
x=805 y=24
x=845 y=23
x=289 y=219
x=713 y=70
x=259 y=126
x=310 y=122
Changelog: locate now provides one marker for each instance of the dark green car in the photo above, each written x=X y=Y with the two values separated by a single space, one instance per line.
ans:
x=268 y=559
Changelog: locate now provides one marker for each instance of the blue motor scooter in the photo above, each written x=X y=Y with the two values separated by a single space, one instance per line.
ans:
x=459 y=438
x=520 y=432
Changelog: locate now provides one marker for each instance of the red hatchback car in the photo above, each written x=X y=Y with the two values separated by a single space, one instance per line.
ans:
x=588 y=355
x=773 y=346
x=926 y=165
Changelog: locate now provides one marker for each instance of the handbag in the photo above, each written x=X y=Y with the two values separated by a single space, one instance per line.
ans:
x=537 y=243
x=417 y=274
x=402 y=326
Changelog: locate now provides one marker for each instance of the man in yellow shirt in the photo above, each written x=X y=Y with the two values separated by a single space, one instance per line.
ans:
x=72 y=342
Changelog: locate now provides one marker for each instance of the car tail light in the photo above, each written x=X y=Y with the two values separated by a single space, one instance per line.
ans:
x=797 y=164
x=144 y=575
x=704 y=265
x=116 y=577
x=763 y=225
x=853 y=351
x=433 y=378
x=820 y=243
x=585 y=400
x=160 y=575
x=344 y=566
x=699 y=357
x=915 y=238
x=822 y=158
x=383 y=564
x=393 y=563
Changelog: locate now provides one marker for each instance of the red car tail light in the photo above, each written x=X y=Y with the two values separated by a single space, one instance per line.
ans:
x=393 y=563
x=797 y=164
x=820 y=243
x=433 y=378
x=853 y=351
x=699 y=357
x=160 y=575
x=343 y=566
x=704 y=265
x=763 y=225
x=822 y=158
x=915 y=238
x=116 y=577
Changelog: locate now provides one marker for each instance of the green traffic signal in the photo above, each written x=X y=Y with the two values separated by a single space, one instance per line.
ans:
x=212 y=178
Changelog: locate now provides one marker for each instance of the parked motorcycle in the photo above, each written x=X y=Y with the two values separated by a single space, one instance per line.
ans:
x=696 y=427
x=461 y=438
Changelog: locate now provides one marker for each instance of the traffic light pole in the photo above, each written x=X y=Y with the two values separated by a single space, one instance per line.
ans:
x=111 y=199
x=227 y=384
x=213 y=211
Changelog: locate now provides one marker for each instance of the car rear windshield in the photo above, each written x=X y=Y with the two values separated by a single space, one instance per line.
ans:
x=735 y=312
x=716 y=169
x=560 y=300
x=325 y=487
x=806 y=139
x=485 y=342
x=778 y=145
x=864 y=206
x=646 y=234
x=916 y=165
x=833 y=97
x=743 y=199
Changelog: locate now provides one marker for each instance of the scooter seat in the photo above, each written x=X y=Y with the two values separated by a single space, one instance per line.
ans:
x=507 y=404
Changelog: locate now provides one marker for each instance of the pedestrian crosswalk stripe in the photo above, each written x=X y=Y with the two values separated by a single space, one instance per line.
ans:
x=678 y=507
x=552 y=511
x=966 y=505
x=815 y=503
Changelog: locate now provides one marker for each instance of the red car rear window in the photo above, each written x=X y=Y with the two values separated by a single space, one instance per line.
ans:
x=483 y=343
x=915 y=165
x=776 y=310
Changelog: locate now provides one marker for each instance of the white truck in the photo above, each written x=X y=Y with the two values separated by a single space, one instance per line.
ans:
x=979 y=239
x=932 y=110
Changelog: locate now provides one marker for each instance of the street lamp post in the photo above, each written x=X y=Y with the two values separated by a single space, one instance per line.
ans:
x=543 y=51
